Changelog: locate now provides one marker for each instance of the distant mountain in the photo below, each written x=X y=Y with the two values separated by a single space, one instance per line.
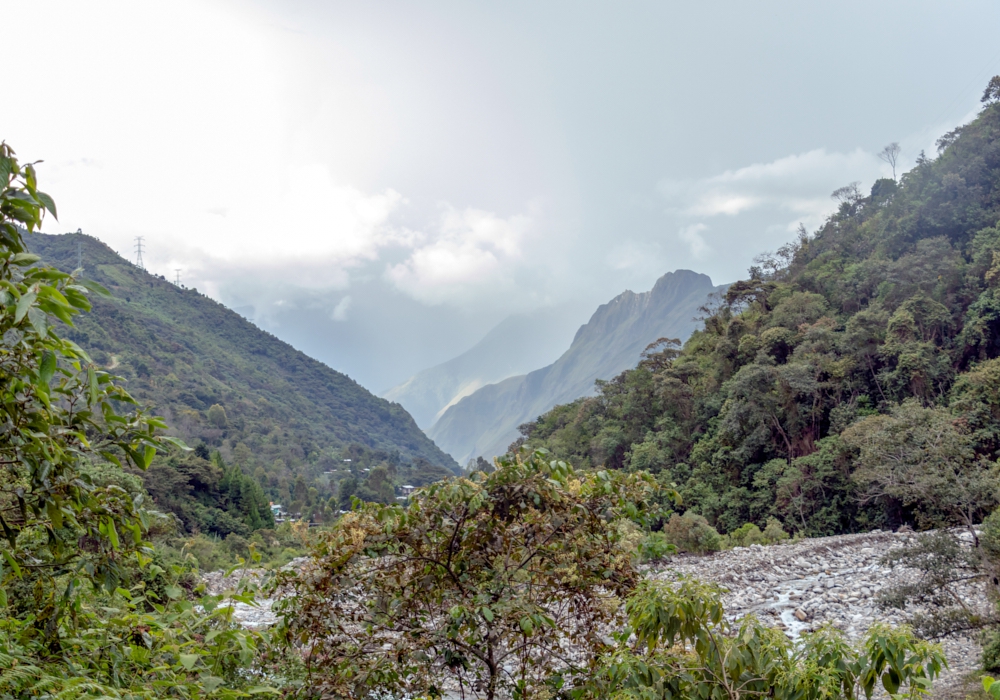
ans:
x=514 y=346
x=485 y=422
x=183 y=353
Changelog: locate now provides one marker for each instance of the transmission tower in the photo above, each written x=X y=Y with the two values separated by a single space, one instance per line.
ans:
x=178 y=280
x=138 y=253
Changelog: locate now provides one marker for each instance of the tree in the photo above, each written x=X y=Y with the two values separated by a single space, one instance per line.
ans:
x=890 y=155
x=992 y=92
x=217 y=416
x=486 y=581
x=924 y=459
x=848 y=194
x=58 y=408
x=80 y=620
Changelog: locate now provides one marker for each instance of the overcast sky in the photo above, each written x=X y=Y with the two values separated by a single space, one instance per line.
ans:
x=381 y=182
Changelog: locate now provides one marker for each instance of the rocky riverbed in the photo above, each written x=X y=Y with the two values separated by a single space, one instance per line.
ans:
x=800 y=586
x=796 y=587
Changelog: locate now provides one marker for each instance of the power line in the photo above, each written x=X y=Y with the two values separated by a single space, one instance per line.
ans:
x=138 y=253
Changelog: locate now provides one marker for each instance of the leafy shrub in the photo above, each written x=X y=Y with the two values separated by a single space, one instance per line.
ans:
x=746 y=535
x=482 y=581
x=237 y=545
x=692 y=533
x=655 y=546
x=681 y=646
x=208 y=552
x=749 y=534
x=991 y=651
x=773 y=532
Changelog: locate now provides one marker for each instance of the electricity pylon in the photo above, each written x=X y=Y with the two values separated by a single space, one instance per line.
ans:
x=138 y=253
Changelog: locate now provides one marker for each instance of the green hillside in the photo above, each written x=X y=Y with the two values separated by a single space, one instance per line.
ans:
x=223 y=383
x=852 y=381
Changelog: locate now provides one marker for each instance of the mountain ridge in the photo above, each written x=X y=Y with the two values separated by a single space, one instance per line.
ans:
x=485 y=422
x=427 y=394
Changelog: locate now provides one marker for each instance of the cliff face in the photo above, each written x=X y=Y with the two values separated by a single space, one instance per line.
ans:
x=485 y=422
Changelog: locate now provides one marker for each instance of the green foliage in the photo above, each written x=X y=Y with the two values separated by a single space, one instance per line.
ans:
x=90 y=612
x=748 y=534
x=773 y=532
x=483 y=580
x=678 y=645
x=208 y=496
x=136 y=648
x=58 y=409
x=891 y=308
x=692 y=533
x=921 y=458
x=655 y=546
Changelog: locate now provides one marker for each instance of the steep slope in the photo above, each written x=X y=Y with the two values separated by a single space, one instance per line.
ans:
x=499 y=355
x=852 y=382
x=183 y=354
x=486 y=422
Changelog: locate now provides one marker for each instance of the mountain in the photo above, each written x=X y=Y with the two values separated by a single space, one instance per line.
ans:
x=222 y=382
x=852 y=382
x=485 y=422
x=512 y=347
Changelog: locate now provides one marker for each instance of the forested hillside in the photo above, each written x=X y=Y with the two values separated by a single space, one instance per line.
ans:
x=269 y=410
x=852 y=381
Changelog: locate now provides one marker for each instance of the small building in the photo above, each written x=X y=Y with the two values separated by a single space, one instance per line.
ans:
x=278 y=512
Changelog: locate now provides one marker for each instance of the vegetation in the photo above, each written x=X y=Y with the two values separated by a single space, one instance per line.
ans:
x=487 y=580
x=510 y=584
x=87 y=609
x=851 y=382
x=269 y=411
x=677 y=645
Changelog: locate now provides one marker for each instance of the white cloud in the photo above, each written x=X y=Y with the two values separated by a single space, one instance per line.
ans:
x=691 y=236
x=469 y=251
x=791 y=185
x=340 y=310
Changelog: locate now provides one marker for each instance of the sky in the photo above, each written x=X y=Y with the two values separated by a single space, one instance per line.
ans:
x=380 y=183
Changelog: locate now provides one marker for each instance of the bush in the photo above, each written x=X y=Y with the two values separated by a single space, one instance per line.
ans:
x=773 y=532
x=655 y=546
x=749 y=534
x=692 y=533
x=208 y=552
x=237 y=545
x=991 y=651
x=746 y=535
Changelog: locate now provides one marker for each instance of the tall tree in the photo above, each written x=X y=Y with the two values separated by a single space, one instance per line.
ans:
x=890 y=155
